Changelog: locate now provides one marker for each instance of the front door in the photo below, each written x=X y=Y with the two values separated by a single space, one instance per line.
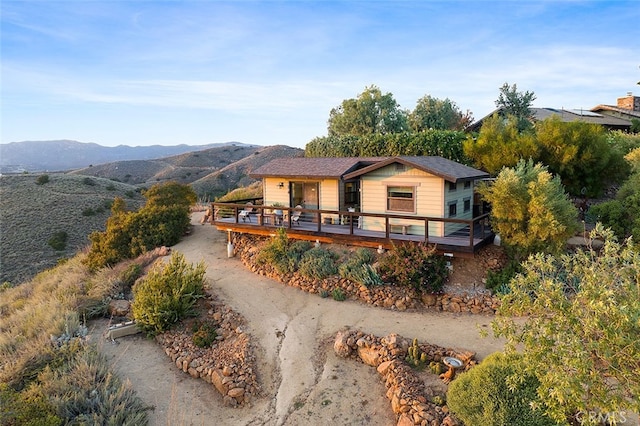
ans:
x=305 y=194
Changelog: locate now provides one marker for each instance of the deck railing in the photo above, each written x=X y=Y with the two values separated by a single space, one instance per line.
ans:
x=265 y=215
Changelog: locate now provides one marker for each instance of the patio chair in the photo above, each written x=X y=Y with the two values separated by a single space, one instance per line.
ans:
x=295 y=216
x=246 y=212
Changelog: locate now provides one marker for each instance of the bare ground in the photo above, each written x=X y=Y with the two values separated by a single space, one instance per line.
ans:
x=303 y=381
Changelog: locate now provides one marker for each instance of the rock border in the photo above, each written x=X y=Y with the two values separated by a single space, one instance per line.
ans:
x=391 y=297
x=409 y=397
x=229 y=364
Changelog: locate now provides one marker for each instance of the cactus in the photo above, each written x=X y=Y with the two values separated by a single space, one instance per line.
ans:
x=415 y=357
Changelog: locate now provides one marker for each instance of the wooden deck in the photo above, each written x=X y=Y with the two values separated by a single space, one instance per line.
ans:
x=313 y=226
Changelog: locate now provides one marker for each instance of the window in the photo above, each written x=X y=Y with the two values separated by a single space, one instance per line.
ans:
x=401 y=198
x=452 y=186
x=467 y=204
x=453 y=208
x=467 y=184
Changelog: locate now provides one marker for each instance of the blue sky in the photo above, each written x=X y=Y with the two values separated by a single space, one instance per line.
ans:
x=196 y=72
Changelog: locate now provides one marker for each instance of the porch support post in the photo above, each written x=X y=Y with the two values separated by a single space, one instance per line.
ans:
x=319 y=217
x=471 y=233
x=426 y=230
x=386 y=227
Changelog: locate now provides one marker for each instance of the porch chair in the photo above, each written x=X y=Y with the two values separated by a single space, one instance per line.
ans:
x=246 y=212
x=295 y=216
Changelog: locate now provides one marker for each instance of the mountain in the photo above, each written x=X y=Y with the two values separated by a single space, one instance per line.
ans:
x=58 y=155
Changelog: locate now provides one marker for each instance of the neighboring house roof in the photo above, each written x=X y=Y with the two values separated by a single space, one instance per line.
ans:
x=312 y=167
x=587 y=116
x=447 y=169
x=617 y=111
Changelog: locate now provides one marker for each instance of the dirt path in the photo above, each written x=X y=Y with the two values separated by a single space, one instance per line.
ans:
x=303 y=382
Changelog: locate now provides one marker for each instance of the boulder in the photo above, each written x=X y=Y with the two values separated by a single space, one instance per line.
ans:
x=340 y=345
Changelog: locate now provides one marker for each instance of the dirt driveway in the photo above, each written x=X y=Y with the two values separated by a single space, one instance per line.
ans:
x=303 y=382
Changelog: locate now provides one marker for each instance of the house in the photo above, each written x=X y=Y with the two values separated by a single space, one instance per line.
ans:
x=394 y=189
x=612 y=117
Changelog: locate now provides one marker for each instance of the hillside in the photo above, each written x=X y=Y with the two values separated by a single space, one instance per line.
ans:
x=31 y=214
x=78 y=202
x=183 y=168
x=60 y=155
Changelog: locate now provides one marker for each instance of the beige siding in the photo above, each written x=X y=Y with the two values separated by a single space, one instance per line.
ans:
x=428 y=194
x=458 y=196
x=274 y=194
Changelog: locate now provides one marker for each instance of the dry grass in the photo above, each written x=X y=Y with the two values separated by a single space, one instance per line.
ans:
x=45 y=357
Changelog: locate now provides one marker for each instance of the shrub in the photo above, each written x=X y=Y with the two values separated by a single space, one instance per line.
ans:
x=58 y=241
x=415 y=265
x=358 y=269
x=318 y=263
x=42 y=179
x=167 y=295
x=338 y=294
x=490 y=394
x=88 y=212
x=281 y=254
x=88 y=181
x=498 y=281
x=110 y=187
x=204 y=334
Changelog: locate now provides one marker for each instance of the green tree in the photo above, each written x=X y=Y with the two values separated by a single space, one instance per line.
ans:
x=433 y=113
x=580 y=154
x=162 y=221
x=486 y=396
x=516 y=104
x=529 y=209
x=371 y=112
x=500 y=144
x=580 y=333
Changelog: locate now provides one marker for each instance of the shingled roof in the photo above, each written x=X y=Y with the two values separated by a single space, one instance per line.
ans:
x=449 y=170
x=312 y=167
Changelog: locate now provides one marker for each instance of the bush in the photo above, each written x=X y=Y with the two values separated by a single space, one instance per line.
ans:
x=161 y=222
x=42 y=179
x=58 y=241
x=338 y=294
x=498 y=281
x=493 y=394
x=167 y=295
x=281 y=254
x=204 y=334
x=414 y=265
x=88 y=181
x=358 y=269
x=318 y=263
x=88 y=212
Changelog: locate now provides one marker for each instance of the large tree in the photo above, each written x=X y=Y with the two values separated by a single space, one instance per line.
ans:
x=529 y=209
x=579 y=334
x=516 y=104
x=371 y=112
x=438 y=114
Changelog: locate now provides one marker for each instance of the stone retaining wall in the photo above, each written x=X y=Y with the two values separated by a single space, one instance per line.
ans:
x=229 y=364
x=391 y=297
x=411 y=400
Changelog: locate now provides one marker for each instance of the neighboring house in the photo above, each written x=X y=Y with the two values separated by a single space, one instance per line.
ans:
x=612 y=117
x=404 y=186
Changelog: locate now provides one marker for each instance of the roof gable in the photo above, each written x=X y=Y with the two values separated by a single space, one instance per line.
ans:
x=447 y=169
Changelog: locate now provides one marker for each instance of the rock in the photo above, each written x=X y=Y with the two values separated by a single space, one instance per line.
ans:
x=340 y=345
x=193 y=373
x=119 y=308
x=405 y=420
x=216 y=380
x=449 y=421
x=369 y=356
x=236 y=392
x=429 y=299
x=384 y=367
x=163 y=251
x=454 y=307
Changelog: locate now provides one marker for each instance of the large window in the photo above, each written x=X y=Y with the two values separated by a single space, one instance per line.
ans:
x=401 y=199
x=453 y=208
